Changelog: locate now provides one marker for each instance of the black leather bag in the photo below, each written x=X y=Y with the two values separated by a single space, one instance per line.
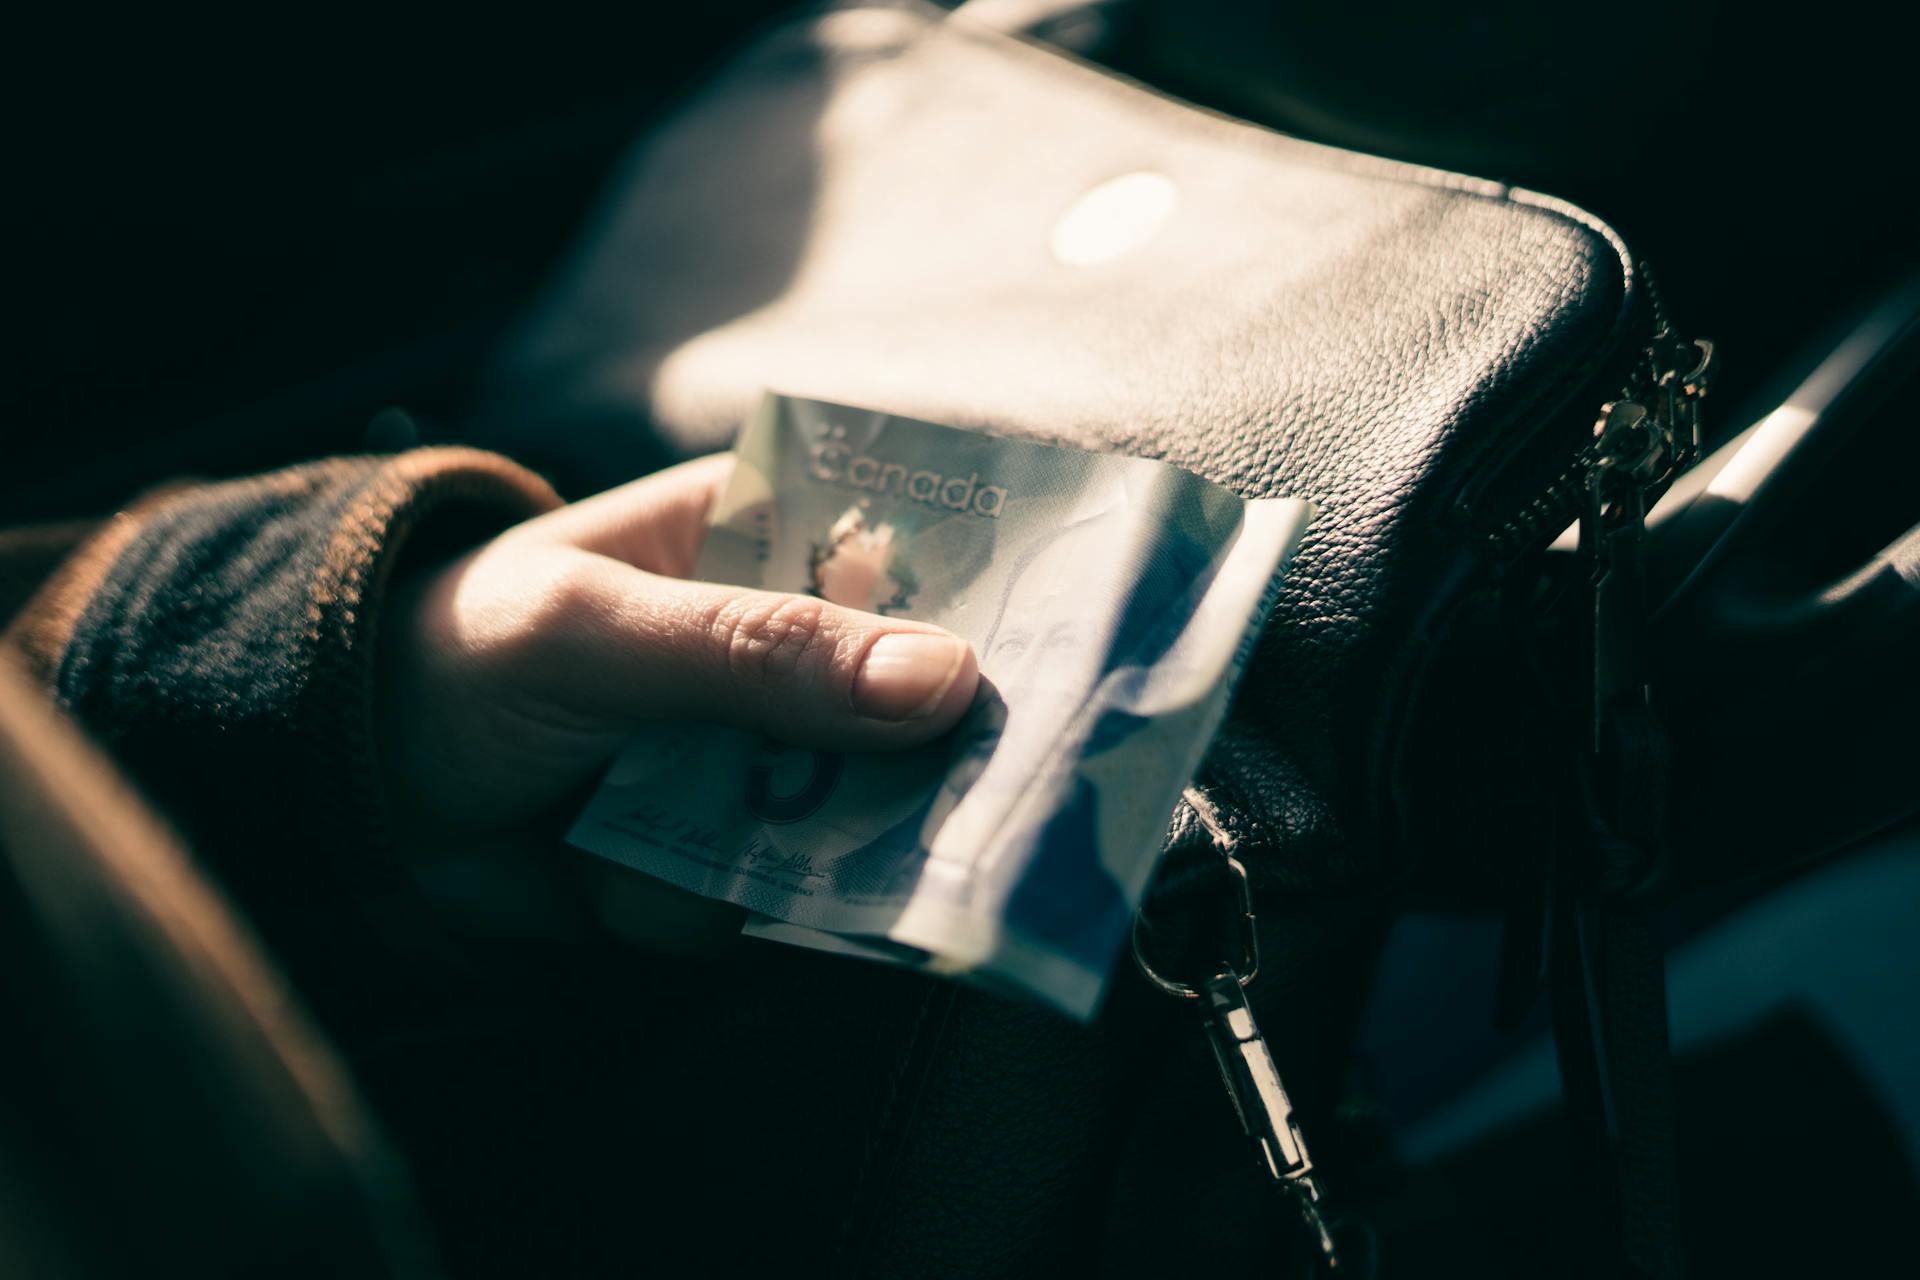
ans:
x=891 y=208
x=865 y=207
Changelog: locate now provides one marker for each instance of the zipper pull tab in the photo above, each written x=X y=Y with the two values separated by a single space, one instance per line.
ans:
x=1683 y=392
x=1631 y=455
x=1639 y=446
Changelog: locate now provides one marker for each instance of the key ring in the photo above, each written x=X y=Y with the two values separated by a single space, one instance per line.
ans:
x=1249 y=967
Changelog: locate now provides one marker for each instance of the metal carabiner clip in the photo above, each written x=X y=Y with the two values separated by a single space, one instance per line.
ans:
x=1246 y=1063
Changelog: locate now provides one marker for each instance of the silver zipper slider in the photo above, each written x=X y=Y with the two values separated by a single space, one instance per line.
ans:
x=1639 y=446
x=1651 y=433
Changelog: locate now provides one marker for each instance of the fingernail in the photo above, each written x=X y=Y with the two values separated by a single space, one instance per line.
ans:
x=904 y=675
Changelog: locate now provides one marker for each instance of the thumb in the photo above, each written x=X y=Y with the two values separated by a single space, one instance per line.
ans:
x=793 y=667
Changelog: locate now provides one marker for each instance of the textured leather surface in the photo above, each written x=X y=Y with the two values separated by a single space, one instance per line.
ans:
x=861 y=208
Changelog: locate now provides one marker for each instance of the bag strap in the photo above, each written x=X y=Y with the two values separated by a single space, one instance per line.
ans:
x=1605 y=962
x=1610 y=1030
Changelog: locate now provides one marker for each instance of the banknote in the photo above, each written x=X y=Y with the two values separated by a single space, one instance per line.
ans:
x=1111 y=601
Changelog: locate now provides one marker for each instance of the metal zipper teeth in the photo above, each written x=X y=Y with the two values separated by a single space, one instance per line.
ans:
x=1564 y=497
x=1547 y=514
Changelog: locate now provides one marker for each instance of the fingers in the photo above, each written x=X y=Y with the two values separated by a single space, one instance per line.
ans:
x=639 y=646
x=655 y=523
x=624 y=639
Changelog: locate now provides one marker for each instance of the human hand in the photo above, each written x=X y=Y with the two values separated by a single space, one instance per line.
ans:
x=510 y=676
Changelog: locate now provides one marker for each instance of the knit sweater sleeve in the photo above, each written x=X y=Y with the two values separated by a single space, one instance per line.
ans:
x=219 y=640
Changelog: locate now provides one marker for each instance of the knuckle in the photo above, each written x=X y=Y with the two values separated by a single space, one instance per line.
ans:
x=569 y=594
x=539 y=614
x=771 y=640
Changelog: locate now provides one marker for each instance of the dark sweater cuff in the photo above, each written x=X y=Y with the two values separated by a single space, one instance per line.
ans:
x=219 y=640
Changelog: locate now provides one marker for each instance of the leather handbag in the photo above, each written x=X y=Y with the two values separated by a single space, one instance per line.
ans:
x=896 y=208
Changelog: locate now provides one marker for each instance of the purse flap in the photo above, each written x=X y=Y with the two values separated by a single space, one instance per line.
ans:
x=893 y=208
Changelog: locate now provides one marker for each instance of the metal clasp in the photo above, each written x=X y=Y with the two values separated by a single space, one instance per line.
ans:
x=1249 y=967
x=1260 y=1100
x=1246 y=1063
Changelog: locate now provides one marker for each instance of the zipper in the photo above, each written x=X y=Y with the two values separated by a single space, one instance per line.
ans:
x=1642 y=440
